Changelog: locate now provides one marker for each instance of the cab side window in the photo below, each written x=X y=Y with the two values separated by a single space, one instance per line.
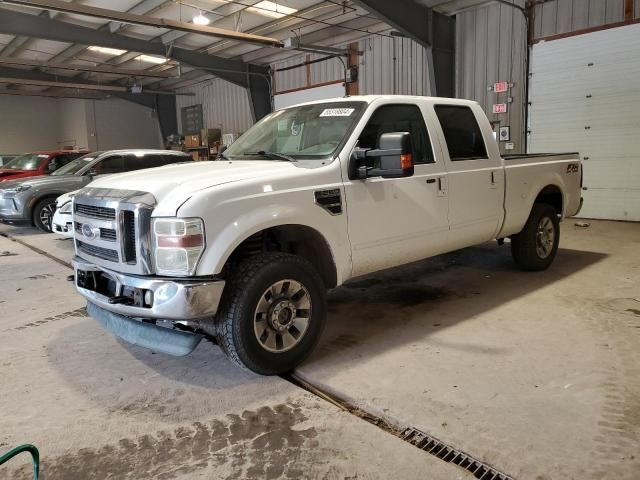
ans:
x=109 y=165
x=56 y=162
x=461 y=132
x=399 y=118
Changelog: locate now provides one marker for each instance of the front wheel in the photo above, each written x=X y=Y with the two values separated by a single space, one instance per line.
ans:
x=272 y=314
x=43 y=214
x=535 y=247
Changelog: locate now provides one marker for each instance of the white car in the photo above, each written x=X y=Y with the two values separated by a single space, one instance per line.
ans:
x=62 y=223
x=243 y=248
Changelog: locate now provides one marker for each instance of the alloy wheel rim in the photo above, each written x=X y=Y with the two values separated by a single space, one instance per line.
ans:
x=282 y=316
x=545 y=237
x=46 y=215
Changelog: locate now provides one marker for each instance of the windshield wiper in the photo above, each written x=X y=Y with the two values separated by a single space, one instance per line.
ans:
x=280 y=156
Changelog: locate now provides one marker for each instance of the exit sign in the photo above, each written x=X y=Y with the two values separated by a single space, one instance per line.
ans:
x=499 y=108
x=500 y=87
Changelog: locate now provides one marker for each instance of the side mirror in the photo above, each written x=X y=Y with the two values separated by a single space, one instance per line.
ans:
x=92 y=173
x=392 y=160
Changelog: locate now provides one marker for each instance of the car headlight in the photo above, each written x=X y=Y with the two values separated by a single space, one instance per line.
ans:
x=17 y=189
x=178 y=245
x=65 y=207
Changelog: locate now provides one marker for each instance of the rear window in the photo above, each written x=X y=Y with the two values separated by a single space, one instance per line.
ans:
x=461 y=132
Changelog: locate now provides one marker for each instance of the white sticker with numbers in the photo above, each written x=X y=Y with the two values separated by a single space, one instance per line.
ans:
x=337 y=112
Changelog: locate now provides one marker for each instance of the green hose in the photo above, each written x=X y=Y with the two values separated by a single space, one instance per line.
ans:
x=35 y=457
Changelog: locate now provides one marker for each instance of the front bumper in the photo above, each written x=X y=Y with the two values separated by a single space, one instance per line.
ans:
x=172 y=299
x=161 y=339
x=62 y=224
x=13 y=211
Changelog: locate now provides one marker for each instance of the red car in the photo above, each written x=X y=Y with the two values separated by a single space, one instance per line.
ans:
x=37 y=163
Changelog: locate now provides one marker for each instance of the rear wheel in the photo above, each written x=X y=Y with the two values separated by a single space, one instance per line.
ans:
x=272 y=313
x=43 y=214
x=535 y=247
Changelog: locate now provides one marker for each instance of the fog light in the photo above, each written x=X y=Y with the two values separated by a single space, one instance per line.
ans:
x=148 y=298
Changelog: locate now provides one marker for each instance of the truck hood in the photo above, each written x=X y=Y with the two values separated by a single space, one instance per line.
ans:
x=180 y=181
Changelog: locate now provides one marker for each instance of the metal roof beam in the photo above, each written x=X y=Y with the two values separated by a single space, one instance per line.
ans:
x=19 y=23
x=135 y=19
x=80 y=86
x=82 y=68
x=16 y=44
x=62 y=93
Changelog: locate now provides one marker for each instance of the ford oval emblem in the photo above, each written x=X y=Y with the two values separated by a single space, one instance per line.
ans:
x=89 y=231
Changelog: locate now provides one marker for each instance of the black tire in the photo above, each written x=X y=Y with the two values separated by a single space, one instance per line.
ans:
x=251 y=280
x=43 y=214
x=533 y=249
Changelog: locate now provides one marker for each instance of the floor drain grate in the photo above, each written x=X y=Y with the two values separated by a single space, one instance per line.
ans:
x=449 y=454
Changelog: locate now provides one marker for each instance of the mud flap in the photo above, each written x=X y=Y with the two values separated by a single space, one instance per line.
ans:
x=159 y=339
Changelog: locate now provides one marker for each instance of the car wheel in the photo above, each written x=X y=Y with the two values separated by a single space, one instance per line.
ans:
x=272 y=313
x=43 y=214
x=535 y=247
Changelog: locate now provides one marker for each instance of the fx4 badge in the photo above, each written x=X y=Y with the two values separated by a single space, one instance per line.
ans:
x=573 y=168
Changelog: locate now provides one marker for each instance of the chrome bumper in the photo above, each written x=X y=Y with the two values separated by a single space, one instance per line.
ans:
x=172 y=299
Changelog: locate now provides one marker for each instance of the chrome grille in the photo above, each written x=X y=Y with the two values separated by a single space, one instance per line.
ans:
x=112 y=228
x=92 y=211
x=108 y=234
x=104 y=253
x=129 y=234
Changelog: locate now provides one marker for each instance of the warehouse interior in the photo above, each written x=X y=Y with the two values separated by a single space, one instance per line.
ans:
x=455 y=366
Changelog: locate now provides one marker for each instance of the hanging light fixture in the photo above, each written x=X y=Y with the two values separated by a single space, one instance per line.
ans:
x=200 y=19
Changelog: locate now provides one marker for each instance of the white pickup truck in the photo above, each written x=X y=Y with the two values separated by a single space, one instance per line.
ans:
x=243 y=249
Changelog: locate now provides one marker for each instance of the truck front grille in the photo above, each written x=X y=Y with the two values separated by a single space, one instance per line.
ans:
x=104 y=253
x=112 y=228
x=95 y=212
x=129 y=236
x=108 y=234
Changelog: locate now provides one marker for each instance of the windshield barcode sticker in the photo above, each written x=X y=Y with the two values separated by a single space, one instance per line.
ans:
x=337 y=112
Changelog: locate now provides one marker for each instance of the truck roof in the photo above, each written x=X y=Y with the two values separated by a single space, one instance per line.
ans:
x=373 y=98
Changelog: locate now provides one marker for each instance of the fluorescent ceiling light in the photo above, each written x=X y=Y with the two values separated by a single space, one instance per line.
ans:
x=200 y=19
x=107 y=51
x=151 y=59
x=271 y=9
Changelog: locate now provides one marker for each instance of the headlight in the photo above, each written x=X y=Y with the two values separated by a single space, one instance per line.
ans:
x=17 y=189
x=65 y=207
x=178 y=244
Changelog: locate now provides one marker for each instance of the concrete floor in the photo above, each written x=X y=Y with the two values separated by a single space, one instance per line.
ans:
x=537 y=374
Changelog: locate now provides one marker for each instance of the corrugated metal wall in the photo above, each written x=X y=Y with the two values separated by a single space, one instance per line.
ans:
x=388 y=65
x=491 y=47
x=562 y=16
x=224 y=105
x=392 y=66
x=321 y=72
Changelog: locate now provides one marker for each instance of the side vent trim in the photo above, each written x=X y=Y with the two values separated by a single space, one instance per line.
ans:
x=330 y=200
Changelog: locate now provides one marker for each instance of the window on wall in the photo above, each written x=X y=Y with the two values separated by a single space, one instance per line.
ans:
x=399 y=118
x=461 y=132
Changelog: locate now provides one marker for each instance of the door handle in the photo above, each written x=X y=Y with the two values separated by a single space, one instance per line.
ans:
x=493 y=177
x=431 y=180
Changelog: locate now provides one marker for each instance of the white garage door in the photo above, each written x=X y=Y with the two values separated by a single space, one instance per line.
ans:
x=585 y=96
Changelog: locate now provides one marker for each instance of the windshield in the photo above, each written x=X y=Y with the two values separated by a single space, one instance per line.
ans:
x=30 y=161
x=75 y=166
x=309 y=131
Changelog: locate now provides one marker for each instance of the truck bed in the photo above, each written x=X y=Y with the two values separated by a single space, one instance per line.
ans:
x=528 y=175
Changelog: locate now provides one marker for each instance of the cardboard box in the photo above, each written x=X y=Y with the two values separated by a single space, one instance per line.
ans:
x=192 y=141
